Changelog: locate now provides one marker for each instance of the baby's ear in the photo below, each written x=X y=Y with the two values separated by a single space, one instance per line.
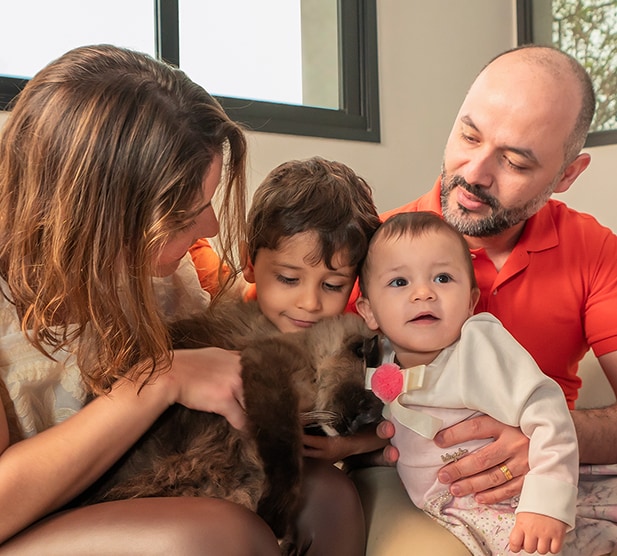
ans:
x=473 y=300
x=363 y=305
x=247 y=265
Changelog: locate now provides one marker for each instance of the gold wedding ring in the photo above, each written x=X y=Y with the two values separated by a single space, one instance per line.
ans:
x=506 y=472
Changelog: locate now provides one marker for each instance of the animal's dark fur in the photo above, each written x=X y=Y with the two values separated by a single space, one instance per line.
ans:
x=289 y=380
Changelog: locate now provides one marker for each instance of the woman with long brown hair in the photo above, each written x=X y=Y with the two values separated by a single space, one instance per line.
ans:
x=110 y=164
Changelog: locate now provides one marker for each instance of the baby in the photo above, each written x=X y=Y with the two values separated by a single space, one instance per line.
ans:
x=418 y=288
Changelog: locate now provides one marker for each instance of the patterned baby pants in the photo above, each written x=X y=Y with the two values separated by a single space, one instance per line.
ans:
x=485 y=530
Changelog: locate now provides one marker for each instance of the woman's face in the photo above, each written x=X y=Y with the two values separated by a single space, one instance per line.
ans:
x=205 y=224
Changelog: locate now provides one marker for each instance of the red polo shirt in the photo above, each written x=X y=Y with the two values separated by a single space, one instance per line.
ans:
x=556 y=293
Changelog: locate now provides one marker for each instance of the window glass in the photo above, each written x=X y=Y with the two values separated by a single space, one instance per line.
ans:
x=303 y=67
x=38 y=31
x=283 y=51
x=586 y=29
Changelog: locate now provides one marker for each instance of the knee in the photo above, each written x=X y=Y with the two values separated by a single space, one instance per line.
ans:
x=332 y=520
x=328 y=486
x=180 y=526
x=226 y=528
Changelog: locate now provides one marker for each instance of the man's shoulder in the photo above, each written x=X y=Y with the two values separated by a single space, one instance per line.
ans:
x=571 y=221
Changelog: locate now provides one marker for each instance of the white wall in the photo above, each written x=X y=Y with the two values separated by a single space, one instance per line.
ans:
x=429 y=53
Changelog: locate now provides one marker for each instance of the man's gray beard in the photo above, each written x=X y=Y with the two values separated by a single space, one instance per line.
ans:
x=498 y=221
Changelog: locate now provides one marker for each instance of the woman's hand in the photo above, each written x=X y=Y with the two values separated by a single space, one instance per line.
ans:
x=487 y=471
x=209 y=379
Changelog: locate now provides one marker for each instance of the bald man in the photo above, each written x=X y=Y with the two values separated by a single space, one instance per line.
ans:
x=546 y=271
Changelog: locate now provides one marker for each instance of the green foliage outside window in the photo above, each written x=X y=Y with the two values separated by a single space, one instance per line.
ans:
x=587 y=29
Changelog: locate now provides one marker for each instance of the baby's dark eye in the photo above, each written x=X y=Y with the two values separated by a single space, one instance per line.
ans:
x=398 y=282
x=443 y=278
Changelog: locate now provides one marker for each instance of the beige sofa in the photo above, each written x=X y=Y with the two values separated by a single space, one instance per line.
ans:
x=395 y=527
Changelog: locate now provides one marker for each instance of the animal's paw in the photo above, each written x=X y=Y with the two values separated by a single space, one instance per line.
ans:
x=387 y=382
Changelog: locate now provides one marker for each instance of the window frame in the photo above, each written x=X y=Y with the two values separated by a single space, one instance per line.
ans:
x=524 y=26
x=357 y=118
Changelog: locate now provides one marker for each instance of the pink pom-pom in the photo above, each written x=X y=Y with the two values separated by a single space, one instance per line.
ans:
x=387 y=382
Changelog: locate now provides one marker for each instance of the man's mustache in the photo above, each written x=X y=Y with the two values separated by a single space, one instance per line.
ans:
x=476 y=191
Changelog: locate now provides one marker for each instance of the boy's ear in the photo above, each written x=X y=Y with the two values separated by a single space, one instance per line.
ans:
x=363 y=305
x=247 y=265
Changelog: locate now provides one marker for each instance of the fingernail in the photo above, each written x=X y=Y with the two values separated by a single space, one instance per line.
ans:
x=455 y=490
x=444 y=477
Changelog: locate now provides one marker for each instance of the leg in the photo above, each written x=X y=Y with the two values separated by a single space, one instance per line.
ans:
x=154 y=526
x=394 y=524
x=331 y=522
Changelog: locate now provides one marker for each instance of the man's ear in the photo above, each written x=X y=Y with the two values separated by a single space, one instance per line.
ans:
x=363 y=305
x=572 y=171
x=247 y=265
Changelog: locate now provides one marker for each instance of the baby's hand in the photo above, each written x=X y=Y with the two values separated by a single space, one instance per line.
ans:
x=537 y=533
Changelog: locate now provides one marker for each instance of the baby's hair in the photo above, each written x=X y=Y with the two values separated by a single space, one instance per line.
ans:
x=414 y=224
x=314 y=195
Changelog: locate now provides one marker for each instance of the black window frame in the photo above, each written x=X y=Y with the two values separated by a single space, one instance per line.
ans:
x=525 y=35
x=357 y=118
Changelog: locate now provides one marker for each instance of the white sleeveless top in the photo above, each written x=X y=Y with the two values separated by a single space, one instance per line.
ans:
x=42 y=391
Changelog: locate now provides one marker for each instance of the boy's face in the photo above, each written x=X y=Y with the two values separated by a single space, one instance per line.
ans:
x=419 y=294
x=294 y=294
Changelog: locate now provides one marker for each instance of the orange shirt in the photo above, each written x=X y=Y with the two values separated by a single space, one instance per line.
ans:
x=556 y=293
x=207 y=264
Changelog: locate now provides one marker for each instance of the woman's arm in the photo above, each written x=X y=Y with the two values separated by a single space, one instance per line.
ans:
x=42 y=473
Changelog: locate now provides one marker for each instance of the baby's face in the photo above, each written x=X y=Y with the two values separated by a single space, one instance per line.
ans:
x=420 y=293
x=295 y=293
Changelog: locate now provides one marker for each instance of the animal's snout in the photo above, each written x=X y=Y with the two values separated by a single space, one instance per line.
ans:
x=359 y=407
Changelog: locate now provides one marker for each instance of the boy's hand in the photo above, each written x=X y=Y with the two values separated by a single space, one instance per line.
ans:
x=537 y=533
x=337 y=448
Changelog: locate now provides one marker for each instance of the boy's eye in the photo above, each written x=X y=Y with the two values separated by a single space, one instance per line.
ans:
x=285 y=279
x=333 y=287
x=398 y=282
x=443 y=278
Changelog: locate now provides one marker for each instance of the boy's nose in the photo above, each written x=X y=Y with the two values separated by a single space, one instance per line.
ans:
x=309 y=299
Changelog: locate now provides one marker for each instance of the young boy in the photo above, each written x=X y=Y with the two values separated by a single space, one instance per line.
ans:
x=309 y=227
x=418 y=288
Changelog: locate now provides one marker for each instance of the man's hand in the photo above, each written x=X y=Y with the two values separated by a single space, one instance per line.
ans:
x=385 y=430
x=481 y=472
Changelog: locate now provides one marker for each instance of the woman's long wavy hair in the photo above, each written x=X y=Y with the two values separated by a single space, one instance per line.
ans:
x=102 y=158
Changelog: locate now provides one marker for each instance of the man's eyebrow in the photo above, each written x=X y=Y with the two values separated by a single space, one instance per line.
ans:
x=525 y=153
x=469 y=122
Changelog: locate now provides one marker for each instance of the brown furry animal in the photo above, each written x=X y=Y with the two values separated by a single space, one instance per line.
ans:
x=290 y=380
